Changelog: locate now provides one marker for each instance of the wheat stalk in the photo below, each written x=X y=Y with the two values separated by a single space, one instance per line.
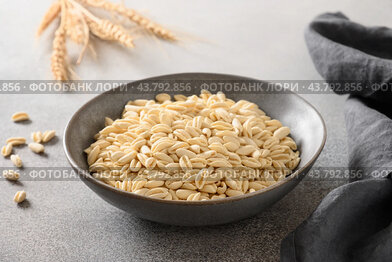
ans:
x=86 y=40
x=133 y=15
x=77 y=29
x=76 y=23
x=59 y=53
x=50 y=15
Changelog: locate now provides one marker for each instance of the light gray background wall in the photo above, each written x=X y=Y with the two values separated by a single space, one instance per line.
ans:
x=65 y=221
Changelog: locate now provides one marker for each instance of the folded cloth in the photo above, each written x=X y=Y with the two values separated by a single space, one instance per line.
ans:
x=353 y=222
x=350 y=53
x=369 y=130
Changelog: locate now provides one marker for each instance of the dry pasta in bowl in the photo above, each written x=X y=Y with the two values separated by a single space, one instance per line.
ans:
x=192 y=148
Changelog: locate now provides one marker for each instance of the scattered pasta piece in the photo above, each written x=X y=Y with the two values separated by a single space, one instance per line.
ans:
x=6 y=150
x=36 y=148
x=20 y=196
x=16 y=141
x=37 y=136
x=48 y=135
x=20 y=116
x=16 y=160
x=194 y=149
x=12 y=175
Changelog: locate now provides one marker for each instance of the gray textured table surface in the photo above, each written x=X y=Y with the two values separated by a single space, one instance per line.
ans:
x=65 y=221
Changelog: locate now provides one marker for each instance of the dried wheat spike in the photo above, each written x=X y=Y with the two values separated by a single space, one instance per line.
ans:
x=147 y=23
x=59 y=53
x=74 y=27
x=142 y=21
x=50 y=15
x=106 y=30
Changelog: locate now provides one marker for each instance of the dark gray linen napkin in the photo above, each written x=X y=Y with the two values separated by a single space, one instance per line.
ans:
x=346 y=51
x=353 y=222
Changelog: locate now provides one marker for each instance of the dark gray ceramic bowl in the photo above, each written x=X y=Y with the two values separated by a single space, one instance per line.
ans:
x=307 y=129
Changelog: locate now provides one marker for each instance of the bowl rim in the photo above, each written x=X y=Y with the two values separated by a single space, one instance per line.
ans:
x=84 y=174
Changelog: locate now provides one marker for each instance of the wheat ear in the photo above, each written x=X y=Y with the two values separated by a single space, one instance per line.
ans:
x=74 y=26
x=50 y=15
x=58 y=59
x=77 y=28
x=134 y=16
x=86 y=40
x=105 y=29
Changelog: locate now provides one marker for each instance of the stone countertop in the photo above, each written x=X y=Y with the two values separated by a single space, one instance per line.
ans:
x=65 y=221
